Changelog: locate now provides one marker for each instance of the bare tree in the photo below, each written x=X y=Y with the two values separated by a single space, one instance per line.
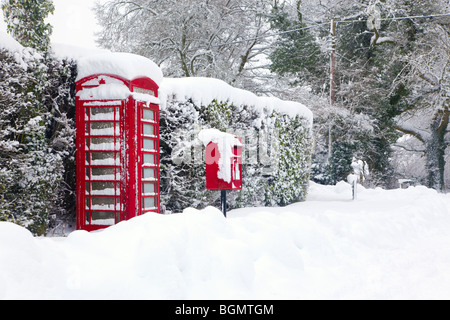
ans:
x=428 y=118
x=190 y=38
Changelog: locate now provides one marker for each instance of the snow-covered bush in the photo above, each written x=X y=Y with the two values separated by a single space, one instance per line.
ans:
x=36 y=135
x=289 y=182
x=26 y=21
x=276 y=136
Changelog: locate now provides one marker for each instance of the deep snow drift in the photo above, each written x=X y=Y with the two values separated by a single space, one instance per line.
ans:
x=385 y=245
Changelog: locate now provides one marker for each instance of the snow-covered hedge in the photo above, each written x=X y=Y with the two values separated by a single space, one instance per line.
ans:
x=276 y=136
x=37 y=133
x=36 y=136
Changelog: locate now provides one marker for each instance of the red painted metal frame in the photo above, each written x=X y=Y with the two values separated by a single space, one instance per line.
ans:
x=129 y=202
x=144 y=153
x=85 y=165
x=212 y=168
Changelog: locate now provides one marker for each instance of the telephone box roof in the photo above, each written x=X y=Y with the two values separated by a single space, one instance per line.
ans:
x=125 y=65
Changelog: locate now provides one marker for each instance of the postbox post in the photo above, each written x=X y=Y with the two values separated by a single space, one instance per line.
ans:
x=223 y=202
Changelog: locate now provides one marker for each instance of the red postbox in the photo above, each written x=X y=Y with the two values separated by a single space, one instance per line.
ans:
x=223 y=160
x=223 y=163
x=117 y=149
x=226 y=173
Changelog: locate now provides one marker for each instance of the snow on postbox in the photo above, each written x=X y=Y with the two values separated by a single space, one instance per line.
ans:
x=223 y=160
x=117 y=119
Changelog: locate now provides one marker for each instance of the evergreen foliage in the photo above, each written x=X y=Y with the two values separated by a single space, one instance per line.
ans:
x=25 y=21
x=36 y=139
x=296 y=53
x=289 y=182
x=276 y=159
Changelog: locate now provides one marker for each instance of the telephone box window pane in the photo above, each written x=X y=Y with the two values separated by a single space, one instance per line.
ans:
x=104 y=129
x=104 y=144
x=103 y=188
x=144 y=91
x=103 y=158
x=148 y=129
x=102 y=113
x=149 y=173
x=149 y=188
x=148 y=114
x=103 y=173
x=149 y=159
x=103 y=218
x=149 y=203
x=148 y=144
x=102 y=203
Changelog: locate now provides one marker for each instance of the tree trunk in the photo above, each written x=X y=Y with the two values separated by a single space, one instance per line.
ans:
x=435 y=148
x=435 y=165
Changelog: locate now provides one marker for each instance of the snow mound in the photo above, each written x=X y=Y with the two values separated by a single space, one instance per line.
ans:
x=386 y=245
x=203 y=91
x=67 y=51
x=9 y=43
x=126 y=65
x=20 y=53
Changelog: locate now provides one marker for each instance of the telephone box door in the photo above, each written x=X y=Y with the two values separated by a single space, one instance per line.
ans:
x=99 y=163
x=148 y=171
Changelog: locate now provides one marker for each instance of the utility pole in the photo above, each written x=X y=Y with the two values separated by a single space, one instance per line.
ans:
x=333 y=63
x=223 y=202
x=332 y=82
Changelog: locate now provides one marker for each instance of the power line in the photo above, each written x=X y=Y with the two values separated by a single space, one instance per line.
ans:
x=400 y=18
x=270 y=35
x=328 y=23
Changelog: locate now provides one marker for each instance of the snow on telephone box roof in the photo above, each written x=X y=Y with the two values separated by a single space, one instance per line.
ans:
x=125 y=65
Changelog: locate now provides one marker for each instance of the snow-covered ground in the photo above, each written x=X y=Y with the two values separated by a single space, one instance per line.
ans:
x=385 y=245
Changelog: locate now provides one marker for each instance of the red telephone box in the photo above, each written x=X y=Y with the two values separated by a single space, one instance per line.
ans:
x=117 y=149
x=224 y=171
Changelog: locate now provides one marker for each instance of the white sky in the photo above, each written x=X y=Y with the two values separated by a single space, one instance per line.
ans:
x=73 y=23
